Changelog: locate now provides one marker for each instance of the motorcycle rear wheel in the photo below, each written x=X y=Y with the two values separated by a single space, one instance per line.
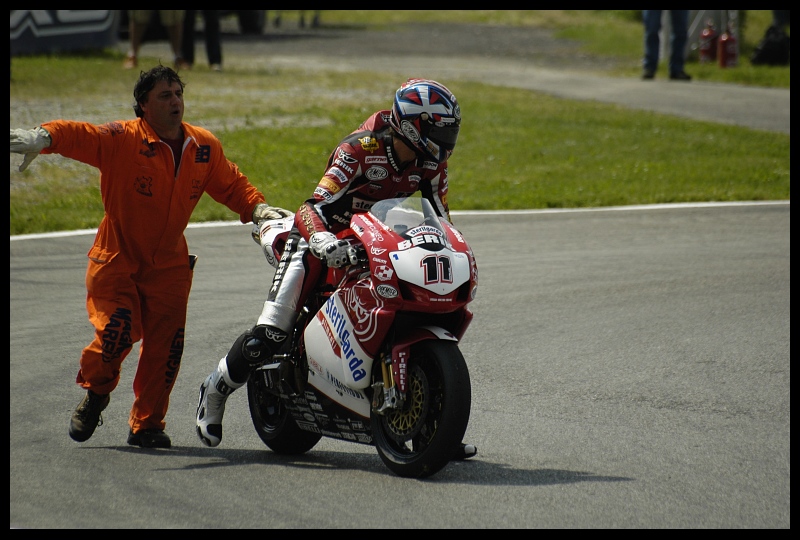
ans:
x=273 y=423
x=420 y=440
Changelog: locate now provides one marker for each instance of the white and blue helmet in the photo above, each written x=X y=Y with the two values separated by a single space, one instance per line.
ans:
x=426 y=114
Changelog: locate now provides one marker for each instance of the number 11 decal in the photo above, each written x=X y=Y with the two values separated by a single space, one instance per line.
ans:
x=438 y=269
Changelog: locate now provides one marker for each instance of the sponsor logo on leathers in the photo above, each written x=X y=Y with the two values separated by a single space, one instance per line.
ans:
x=376 y=173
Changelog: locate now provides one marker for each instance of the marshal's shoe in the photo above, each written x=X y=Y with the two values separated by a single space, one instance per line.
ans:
x=149 y=438
x=87 y=416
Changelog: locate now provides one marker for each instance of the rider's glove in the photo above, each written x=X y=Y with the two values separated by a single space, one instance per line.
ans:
x=263 y=212
x=29 y=142
x=336 y=253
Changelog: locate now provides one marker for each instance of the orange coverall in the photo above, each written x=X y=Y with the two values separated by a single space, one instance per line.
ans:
x=138 y=277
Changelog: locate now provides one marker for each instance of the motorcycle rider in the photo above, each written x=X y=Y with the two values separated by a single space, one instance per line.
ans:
x=393 y=153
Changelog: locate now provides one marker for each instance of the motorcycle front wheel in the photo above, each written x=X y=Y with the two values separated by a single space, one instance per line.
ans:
x=418 y=440
x=273 y=423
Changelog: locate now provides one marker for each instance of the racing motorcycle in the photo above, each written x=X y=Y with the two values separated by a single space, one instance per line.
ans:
x=373 y=357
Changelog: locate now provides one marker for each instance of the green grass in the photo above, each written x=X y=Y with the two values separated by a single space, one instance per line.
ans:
x=517 y=149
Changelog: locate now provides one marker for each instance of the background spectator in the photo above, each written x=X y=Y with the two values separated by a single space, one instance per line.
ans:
x=774 y=49
x=139 y=20
x=211 y=33
x=679 y=34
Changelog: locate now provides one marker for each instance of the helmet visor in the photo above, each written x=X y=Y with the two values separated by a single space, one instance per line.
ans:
x=444 y=136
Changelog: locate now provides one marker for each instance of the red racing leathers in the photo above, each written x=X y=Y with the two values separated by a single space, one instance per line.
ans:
x=138 y=277
x=361 y=171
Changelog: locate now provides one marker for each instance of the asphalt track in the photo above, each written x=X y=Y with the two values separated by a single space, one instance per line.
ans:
x=630 y=369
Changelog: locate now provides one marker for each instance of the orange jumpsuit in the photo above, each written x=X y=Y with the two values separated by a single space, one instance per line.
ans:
x=138 y=276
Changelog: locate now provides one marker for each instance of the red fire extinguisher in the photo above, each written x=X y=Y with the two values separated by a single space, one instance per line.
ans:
x=727 y=50
x=708 y=43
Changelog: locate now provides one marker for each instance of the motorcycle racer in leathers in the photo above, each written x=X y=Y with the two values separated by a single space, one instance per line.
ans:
x=393 y=153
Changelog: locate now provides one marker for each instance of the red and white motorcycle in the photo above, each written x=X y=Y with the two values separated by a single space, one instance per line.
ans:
x=373 y=357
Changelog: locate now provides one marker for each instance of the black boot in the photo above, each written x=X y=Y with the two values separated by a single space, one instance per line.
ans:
x=87 y=416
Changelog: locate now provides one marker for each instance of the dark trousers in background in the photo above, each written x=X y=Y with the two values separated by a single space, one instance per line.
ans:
x=212 y=35
x=679 y=19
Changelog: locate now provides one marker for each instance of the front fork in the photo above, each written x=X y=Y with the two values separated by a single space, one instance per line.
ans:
x=385 y=394
x=390 y=391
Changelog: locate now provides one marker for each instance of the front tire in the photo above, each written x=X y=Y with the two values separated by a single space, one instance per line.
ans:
x=419 y=440
x=273 y=423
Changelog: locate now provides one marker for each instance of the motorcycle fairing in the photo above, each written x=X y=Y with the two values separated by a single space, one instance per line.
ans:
x=332 y=344
x=315 y=412
x=324 y=381
x=440 y=272
x=417 y=249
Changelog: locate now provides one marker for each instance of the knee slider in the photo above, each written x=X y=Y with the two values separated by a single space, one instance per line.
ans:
x=263 y=342
x=255 y=351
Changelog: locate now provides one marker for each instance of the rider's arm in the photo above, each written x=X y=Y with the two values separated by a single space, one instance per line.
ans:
x=308 y=221
x=332 y=198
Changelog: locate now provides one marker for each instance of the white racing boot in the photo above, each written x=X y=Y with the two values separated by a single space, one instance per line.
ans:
x=214 y=393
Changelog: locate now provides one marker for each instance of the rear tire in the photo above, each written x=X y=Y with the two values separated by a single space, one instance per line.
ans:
x=273 y=423
x=420 y=440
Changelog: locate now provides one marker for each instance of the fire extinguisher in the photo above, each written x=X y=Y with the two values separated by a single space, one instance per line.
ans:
x=708 y=43
x=727 y=49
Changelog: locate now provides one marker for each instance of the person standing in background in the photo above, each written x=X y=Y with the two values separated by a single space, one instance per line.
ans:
x=211 y=32
x=774 y=49
x=679 y=35
x=780 y=19
x=139 y=20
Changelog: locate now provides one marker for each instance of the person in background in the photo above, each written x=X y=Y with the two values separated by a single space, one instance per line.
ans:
x=774 y=49
x=211 y=33
x=780 y=19
x=315 y=19
x=393 y=153
x=679 y=35
x=139 y=20
x=153 y=172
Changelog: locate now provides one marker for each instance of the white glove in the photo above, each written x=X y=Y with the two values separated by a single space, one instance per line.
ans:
x=29 y=142
x=263 y=212
x=334 y=252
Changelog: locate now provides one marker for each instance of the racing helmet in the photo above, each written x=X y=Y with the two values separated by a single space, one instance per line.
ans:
x=427 y=115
